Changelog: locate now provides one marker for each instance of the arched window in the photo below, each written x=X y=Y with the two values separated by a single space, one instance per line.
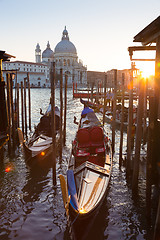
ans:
x=68 y=62
x=64 y=62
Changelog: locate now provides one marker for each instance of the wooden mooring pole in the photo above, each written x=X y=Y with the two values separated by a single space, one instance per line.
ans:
x=9 y=110
x=114 y=110
x=122 y=124
x=130 y=124
x=25 y=107
x=22 y=111
x=61 y=115
x=65 y=110
x=18 y=105
x=12 y=112
x=138 y=137
x=53 y=123
x=104 y=101
x=29 y=101
x=150 y=156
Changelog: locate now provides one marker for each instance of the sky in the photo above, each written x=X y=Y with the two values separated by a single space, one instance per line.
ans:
x=101 y=30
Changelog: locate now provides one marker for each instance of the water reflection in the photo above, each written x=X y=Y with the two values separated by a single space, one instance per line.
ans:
x=30 y=208
x=36 y=181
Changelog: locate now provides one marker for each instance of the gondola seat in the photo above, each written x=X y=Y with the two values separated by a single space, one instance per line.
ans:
x=97 y=139
x=83 y=138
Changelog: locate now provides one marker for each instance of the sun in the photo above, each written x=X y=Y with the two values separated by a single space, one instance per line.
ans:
x=147 y=69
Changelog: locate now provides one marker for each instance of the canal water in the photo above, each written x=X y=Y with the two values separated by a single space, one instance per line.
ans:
x=31 y=209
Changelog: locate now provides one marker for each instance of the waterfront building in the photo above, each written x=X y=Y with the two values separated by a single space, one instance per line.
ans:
x=38 y=72
x=65 y=58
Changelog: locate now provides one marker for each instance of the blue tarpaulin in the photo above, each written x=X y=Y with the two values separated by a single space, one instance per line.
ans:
x=72 y=189
x=86 y=110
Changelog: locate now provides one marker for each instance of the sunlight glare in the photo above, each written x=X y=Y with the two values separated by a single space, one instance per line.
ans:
x=147 y=69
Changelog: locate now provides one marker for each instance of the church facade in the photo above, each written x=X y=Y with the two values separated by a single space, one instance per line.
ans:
x=65 y=58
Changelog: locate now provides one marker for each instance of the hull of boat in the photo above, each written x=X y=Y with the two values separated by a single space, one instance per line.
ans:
x=36 y=155
x=92 y=182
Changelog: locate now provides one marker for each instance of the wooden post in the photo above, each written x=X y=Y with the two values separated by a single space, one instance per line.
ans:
x=138 y=137
x=145 y=112
x=53 y=124
x=98 y=92
x=61 y=114
x=150 y=156
x=25 y=108
x=22 y=111
x=65 y=109
x=104 y=106
x=114 y=109
x=12 y=112
x=3 y=108
x=130 y=124
x=73 y=89
x=18 y=105
x=88 y=91
x=156 y=123
x=92 y=85
x=122 y=123
x=29 y=102
x=15 y=99
x=157 y=224
x=3 y=111
x=9 y=110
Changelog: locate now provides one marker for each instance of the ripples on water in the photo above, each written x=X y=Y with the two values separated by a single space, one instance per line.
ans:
x=31 y=209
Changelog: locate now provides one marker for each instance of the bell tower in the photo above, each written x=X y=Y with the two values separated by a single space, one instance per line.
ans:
x=38 y=54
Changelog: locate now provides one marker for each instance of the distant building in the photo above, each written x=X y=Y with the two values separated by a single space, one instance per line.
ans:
x=37 y=72
x=95 y=78
x=98 y=78
x=64 y=56
x=110 y=78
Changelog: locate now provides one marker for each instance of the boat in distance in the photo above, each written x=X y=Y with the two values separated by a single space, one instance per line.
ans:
x=88 y=175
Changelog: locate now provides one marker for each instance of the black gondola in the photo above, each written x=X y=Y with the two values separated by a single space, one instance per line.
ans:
x=88 y=174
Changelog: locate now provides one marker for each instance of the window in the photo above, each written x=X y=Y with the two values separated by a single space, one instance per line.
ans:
x=68 y=62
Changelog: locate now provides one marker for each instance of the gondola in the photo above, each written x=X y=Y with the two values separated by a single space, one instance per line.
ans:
x=88 y=175
x=38 y=149
x=109 y=114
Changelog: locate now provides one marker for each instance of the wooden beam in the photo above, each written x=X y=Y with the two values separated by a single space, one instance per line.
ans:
x=142 y=59
x=151 y=38
x=140 y=48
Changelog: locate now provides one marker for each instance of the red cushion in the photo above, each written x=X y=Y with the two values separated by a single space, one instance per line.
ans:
x=96 y=134
x=83 y=136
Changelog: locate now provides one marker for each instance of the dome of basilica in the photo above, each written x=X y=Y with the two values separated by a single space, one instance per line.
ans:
x=65 y=46
x=48 y=53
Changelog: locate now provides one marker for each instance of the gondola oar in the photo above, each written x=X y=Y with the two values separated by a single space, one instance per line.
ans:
x=20 y=136
x=66 y=198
